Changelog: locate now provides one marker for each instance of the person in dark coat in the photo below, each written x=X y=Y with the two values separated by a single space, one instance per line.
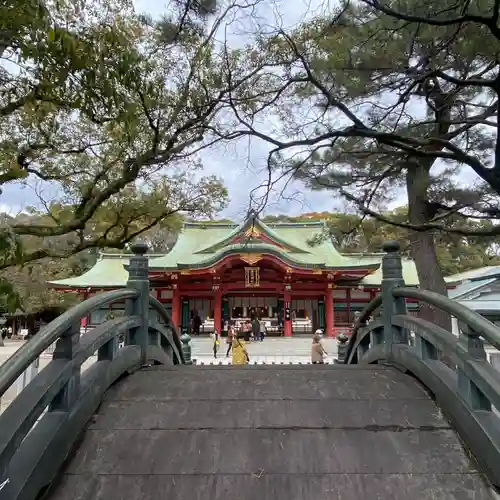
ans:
x=196 y=324
x=256 y=328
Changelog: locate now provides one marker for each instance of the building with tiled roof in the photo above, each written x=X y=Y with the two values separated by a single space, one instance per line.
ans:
x=289 y=274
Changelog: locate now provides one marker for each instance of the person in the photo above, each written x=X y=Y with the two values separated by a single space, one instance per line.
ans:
x=230 y=338
x=216 y=340
x=262 y=329
x=240 y=353
x=196 y=324
x=255 y=328
x=246 y=330
x=318 y=352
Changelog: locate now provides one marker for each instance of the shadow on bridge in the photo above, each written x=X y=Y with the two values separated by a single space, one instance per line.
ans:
x=136 y=425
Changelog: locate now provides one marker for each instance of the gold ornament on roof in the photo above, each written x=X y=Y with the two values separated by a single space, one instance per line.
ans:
x=250 y=258
x=252 y=232
x=252 y=277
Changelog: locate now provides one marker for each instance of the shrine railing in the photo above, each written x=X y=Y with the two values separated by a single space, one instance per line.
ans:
x=453 y=368
x=41 y=425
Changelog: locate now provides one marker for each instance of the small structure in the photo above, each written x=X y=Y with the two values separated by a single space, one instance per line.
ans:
x=218 y=272
x=479 y=290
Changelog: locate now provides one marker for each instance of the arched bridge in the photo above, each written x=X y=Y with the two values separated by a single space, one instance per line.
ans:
x=409 y=413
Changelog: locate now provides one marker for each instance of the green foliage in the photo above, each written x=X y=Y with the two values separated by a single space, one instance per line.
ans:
x=9 y=297
x=103 y=109
x=351 y=233
x=373 y=105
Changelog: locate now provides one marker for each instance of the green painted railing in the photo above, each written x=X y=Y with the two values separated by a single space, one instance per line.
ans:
x=454 y=368
x=41 y=425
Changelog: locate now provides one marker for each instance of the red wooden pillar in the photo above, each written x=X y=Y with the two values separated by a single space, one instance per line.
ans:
x=218 y=311
x=329 y=319
x=176 y=307
x=85 y=321
x=287 y=323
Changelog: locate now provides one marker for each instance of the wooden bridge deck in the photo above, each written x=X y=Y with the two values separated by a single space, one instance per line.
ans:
x=270 y=433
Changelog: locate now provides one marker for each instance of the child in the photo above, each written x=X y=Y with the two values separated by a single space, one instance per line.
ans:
x=215 y=337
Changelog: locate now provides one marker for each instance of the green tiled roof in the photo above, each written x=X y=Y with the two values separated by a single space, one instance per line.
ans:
x=409 y=270
x=201 y=245
x=108 y=272
x=256 y=224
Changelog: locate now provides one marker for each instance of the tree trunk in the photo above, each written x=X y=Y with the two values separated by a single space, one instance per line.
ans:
x=422 y=244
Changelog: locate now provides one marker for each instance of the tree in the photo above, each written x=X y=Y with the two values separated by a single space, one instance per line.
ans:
x=351 y=233
x=346 y=71
x=110 y=110
x=163 y=237
x=359 y=76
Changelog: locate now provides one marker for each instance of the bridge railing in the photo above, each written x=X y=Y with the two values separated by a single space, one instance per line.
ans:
x=40 y=426
x=454 y=368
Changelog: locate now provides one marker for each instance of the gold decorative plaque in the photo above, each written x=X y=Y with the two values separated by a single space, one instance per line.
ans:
x=252 y=277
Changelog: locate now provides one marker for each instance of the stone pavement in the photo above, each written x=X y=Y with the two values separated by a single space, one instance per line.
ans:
x=278 y=350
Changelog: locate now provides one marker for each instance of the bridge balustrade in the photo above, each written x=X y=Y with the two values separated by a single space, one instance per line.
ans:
x=41 y=425
x=455 y=369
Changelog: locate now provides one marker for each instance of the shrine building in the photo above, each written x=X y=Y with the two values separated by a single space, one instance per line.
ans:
x=288 y=274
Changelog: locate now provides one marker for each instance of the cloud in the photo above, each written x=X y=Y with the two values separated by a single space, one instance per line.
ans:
x=241 y=165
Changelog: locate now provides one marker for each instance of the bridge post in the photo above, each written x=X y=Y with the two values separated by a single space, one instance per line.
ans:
x=341 y=348
x=66 y=348
x=471 y=343
x=186 y=349
x=392 y=277
x=139 y=280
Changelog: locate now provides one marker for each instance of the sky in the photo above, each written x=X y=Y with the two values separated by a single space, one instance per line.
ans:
x=240 y=165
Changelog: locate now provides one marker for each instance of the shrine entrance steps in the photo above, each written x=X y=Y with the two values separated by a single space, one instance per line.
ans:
x=269 y=433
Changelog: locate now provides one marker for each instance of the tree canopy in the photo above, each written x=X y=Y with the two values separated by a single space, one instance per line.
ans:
x=366 y=97
x=372 y=104
x=351 y=233
x=114 y=110
x=108 y=109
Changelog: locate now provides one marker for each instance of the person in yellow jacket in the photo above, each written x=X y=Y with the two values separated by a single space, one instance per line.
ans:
x=240 y=353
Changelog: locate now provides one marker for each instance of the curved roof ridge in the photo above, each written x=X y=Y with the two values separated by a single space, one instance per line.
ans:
x=205 y=224
x=295 y=224
x=270 y=249
x=110 y=256
x=105 y=273
x=250 y=223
